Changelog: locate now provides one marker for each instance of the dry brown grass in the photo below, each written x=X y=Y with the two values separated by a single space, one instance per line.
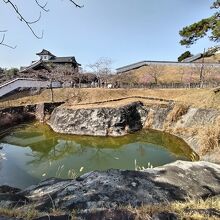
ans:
x=150 y=119
x=114 y=103
x=28 y=214
x=176 y=113
x=209 y=137
x=201 y=98
x=192 y=131
x=175 y=74
x=204 y=98
x=212 y=59
x=189 y=210
x=169 y=74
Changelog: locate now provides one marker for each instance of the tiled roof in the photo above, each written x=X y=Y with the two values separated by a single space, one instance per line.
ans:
x=35 y=64
x=53 y=59
x=62 y=60
x=193 y=58
x=45 y=52
x=170 y=63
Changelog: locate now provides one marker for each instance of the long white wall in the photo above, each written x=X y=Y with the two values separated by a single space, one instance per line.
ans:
x=168 y=63
x=24 y=83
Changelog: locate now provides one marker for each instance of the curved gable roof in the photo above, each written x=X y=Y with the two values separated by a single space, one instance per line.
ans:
x=45 y=52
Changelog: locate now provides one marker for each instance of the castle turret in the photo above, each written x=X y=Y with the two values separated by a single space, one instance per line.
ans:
x=45 y=55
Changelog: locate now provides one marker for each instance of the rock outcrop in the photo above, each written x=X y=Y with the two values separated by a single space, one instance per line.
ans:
x=8 y=119
x=12 y=116
x=199 y=128
x=116 y=188
x=99 y=121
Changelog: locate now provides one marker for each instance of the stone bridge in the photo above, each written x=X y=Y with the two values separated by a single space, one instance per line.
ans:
x=17 y=83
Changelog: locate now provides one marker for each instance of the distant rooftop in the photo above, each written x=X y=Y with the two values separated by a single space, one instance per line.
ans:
x=45 y=52
x=192 y=58
x=186 y=62
x=62 y=60
x=47 y=57
x=170 y=63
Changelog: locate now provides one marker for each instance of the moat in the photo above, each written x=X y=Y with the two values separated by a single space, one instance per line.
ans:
x=33 y=152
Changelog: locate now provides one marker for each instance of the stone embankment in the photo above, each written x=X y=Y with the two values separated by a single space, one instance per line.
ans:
x=198 y=127
x=105 y=190
x=98 y=121
x=13 y=116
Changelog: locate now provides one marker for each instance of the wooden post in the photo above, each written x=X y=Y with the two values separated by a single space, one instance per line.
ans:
x=201 y=77
x=51 y=89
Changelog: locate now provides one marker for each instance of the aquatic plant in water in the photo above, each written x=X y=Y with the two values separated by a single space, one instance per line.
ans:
x=141 y=168
x=2 y=156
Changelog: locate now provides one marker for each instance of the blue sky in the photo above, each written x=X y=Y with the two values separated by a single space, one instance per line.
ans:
x=126 y=31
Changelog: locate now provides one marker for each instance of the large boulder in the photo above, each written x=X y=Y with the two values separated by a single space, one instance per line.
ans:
x=115 y=188
x=99 y=121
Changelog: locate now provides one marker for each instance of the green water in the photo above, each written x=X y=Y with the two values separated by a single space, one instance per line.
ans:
x=34 y=152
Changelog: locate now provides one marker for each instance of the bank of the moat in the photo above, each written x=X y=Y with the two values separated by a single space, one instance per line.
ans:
x=198 y=127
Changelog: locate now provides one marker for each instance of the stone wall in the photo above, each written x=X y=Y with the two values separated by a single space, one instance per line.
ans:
x=13 y=116
x=108 y=121
x=198 y=127
x=16 y=115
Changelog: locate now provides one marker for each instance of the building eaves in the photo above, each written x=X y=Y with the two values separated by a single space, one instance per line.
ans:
x=146 y=63
x=62 y=60
x=45 y=52
x=33 y=65
x=193 y=58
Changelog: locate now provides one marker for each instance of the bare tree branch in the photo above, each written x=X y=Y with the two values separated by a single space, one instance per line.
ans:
x=22 y=18
x=102 y=69
x=28 y=23
x=77 y=5
x=4 y=44
x=155 y=71
x=43 y=7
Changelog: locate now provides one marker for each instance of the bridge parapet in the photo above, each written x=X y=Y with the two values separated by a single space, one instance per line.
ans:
x=26 y=83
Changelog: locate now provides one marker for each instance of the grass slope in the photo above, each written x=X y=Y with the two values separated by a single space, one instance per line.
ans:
x=202 y=98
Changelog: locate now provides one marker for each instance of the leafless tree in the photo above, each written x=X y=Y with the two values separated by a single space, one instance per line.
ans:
x=63 y=73
x=125 y=79
x=102 y=69
x=200 y=73
x=209 y=71
x=27 y=22
x=200 y=69
x=182 y=72
x=155 y=71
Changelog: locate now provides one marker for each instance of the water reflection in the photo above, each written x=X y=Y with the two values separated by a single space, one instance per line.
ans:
x=48 y=145
x=39 y=152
